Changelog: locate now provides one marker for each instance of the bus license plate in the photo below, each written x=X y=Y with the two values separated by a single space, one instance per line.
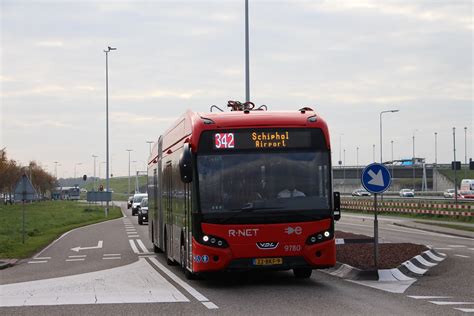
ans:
x=267 y=261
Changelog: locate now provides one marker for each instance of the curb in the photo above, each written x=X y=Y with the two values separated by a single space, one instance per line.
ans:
x=432 y=230
x=7 y=263
x=407 y=271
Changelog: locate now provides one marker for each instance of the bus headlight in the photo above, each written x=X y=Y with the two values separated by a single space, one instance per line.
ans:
x=214 y=241
x=319 y=237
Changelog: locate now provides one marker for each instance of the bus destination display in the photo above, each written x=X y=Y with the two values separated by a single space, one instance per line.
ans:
x=262 y=139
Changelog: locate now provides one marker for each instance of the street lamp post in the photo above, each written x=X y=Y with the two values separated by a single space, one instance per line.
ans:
x=373 y=152
x=465 y=152
x=436 y=162
x=413 y=159
x=391 y=142
x=129 y=151
x=455 y=179
x=344 y=172
x=388 y=111
x=56 y=169
x=93 y=185
x=357 y=160
x=107 y=182
x=149 y=142
x=76 y=164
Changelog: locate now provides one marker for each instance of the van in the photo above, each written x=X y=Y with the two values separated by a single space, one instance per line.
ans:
x=137 y=199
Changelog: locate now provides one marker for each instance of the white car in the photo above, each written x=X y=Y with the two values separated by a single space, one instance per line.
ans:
x=449 y=193
x=407 y=193
x=137 y=199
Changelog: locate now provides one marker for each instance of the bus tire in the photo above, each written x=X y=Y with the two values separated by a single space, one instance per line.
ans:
x=302 y=273
x=157 y=249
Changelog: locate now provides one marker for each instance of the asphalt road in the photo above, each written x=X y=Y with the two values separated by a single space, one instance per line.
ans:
x=115 y=273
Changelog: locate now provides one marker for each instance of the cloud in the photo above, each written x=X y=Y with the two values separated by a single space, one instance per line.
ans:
x=50 y=44
x=32 y=123
x=134 y=118
x=158 y=94
x=426 y=11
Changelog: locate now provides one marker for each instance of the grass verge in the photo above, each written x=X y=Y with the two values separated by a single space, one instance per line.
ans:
x=44 y=222
x=453 y=226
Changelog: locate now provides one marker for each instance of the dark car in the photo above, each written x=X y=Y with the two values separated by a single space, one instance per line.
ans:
x=143 y=211
x=130 y=201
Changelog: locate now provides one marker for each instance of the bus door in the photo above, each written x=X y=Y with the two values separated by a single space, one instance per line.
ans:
x=168 y=188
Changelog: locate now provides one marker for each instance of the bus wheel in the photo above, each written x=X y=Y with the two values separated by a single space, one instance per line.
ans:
x=157 y=249
x=302 y=273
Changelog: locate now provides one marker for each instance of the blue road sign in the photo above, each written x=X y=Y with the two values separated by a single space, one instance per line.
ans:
x=376 y=178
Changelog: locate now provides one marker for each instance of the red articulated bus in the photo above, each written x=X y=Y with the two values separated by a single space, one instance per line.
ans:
x=244 y=189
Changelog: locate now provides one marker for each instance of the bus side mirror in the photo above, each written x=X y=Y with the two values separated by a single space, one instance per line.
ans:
x=337 y=206
x=186 y=164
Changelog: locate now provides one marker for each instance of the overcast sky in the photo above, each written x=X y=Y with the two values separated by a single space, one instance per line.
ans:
x=348 y=60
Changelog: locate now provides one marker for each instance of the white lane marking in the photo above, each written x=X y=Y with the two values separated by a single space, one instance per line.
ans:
x=137 y=282
x=470 y=248
x=78 y=256
x=462 y=256
x=79 y=248
x=69 y=260
x=134 y=248
x=438 y=248
x=392 y=287
x=210 y=305
x=41 y=258
x=133 y=236
x=451 y=303
x=466 y=310
x=457 y=246
x=141 y=245
x=132 y=233
x=111 y=258
x=43 y=261
x=427 y=297
x=175 y=278
x=111 y=254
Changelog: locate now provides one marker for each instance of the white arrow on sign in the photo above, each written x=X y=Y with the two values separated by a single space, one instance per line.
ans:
x=99 y=245
x=377 y=179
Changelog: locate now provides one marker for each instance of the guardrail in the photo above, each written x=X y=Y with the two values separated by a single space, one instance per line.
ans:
x=413 y=208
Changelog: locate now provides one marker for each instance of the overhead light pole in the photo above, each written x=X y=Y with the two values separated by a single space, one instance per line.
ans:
x=413 y=159
x=381 y=113
x=107 y=183
x=75 y=165
x=392 y=157
x=373 y=152
x=455 y=178
x=465 y=152
x=340 y=150
x=436 y=162
x=149 y=142
x=56 y=169
x=93 y=185
x=129 y=151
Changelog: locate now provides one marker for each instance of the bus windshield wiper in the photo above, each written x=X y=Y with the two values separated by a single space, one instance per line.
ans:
x=247 y=208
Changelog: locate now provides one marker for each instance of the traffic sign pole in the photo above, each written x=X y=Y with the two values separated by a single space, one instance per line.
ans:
x=376 y=179
x=376 y=233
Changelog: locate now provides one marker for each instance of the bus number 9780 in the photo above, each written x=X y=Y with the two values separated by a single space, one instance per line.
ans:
x=224 y=140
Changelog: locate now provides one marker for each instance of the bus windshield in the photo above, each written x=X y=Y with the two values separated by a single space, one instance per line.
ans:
x=281 y=181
